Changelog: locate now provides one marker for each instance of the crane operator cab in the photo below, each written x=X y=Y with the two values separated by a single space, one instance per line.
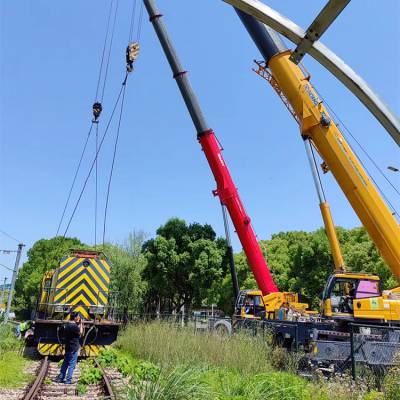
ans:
x=356 y=297
x=250 y=305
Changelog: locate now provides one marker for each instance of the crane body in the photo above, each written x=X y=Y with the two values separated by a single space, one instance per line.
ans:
x=317 y=128
x=307 y=329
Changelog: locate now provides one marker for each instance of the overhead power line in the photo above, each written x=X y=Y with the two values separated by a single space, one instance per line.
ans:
x=8 y=235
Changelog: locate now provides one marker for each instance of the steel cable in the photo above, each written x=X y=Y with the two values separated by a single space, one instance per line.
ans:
x=113 y=162
x=94 y=161
x=74 y=180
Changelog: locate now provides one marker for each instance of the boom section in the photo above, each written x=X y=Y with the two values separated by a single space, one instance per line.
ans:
x=317 y=125
x=226 y=190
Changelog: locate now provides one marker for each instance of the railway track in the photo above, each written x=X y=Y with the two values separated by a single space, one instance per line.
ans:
x=44 y=387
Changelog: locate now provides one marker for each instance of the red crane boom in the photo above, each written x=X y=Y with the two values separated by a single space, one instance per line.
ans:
x=226 y=190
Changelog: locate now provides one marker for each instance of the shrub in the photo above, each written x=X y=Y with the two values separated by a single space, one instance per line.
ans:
x=391 y=385
x=181 y=383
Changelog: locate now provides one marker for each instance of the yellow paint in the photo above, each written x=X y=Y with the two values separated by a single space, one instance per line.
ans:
x=332 y=237
x=51 y=349
x=342 y=162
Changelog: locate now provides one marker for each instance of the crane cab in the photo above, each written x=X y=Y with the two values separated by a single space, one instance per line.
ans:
x=251 y=304
x=357 y=297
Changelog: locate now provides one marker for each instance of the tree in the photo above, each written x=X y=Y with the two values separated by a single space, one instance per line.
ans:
x=127 y=263
x=185 y=266
x=301 y=262
x=44 y=255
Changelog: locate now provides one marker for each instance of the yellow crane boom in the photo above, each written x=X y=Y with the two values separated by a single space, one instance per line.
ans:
x=317 y=125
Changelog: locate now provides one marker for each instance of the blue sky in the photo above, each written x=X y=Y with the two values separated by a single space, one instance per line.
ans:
x=50 y=56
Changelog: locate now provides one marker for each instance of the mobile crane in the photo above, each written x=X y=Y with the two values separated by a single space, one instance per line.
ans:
x=318 y=130
x=267 y=302
x=226 y=190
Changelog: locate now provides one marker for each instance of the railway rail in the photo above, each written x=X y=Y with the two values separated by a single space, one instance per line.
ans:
x=44 y=386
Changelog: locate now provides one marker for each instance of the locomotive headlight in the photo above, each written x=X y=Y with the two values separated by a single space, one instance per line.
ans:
x=61 y=308
x=97 y=309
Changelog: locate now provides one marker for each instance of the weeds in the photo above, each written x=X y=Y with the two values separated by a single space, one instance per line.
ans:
x=171 y=345
x=11 y=362
x=180 y=383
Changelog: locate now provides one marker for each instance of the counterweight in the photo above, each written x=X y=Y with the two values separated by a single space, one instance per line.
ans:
x=226 y=190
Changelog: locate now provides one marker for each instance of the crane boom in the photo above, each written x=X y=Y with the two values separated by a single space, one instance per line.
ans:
x=317 y=125
x=226 y=190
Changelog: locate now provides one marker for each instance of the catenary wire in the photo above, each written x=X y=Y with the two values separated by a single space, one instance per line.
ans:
x=8 y=235
x=5 y=266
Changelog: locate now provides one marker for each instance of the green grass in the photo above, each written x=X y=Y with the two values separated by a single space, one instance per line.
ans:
x=11 y=361
x=168 y=362
x=170 y=345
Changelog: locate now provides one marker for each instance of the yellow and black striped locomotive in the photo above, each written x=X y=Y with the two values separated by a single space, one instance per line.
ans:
x=81 y=284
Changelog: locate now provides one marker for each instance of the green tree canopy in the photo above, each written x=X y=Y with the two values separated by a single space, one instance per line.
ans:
x=301 y=262
x=185 y=265
x=44 y=255
x=127 y=263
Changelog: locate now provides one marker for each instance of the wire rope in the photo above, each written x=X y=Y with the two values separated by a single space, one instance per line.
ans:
x=94 y=161
x=74 y=179
x=113 y=163
x=132 y=21
x=104 y=48
x=96 y=188
x=394 y=210
x=363 y=149
x=140 y=23
x=109 y=50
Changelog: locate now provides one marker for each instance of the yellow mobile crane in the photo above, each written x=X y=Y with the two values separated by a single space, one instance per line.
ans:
x=348 y=296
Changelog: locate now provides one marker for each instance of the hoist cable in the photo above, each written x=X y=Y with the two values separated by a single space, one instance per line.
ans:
x=365 y=167
x=74 y=180
x=109 y=50
x=132 y=21
x=140 y=23
x=96 y=187
x=104 y=49
x=94 y=161
x=113 y=163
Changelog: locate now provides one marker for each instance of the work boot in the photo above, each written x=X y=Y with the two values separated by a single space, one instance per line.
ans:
x=59 y=380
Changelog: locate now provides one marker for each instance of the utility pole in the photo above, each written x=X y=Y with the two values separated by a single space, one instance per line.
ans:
x=14 y=277
x=3 y=292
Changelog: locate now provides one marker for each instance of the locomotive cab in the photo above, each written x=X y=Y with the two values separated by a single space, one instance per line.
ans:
x=81 y=284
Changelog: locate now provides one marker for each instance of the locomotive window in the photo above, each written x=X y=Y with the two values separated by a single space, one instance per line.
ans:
x=47 y=283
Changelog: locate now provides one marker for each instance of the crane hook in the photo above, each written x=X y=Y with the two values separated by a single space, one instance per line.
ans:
x=97 y=109
x=132 y=52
